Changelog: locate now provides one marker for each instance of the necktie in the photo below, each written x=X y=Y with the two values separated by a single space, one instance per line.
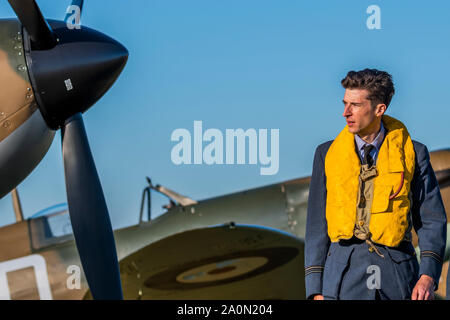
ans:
x=367 y=157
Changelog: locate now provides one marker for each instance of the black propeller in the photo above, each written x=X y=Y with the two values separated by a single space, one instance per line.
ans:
x=30 y=16
x=88 y=213
x=68 y=76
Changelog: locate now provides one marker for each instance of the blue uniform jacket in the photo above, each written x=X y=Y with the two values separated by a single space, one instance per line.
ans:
x=331 y=269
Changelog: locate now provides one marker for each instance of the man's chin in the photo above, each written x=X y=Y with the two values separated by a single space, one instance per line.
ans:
x=352 y=130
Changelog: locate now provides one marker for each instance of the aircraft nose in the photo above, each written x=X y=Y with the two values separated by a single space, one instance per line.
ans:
x=74 y=75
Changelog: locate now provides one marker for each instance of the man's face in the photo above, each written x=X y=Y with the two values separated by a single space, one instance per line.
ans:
x=359 y=113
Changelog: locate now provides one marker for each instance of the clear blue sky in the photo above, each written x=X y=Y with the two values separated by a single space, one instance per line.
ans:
x=242 y=64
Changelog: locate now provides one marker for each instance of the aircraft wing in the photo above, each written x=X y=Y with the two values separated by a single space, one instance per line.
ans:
x=219 y=262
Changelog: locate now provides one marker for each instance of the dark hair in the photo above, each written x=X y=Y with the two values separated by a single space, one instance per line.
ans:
x=378 y=83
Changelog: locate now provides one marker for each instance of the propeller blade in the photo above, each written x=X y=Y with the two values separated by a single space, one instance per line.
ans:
x=89 y=214
x=33 y=21
x=74 y=11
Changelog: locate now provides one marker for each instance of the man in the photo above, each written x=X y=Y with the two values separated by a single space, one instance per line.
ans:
x=369 y=187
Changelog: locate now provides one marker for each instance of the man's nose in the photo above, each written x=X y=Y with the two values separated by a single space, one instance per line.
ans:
x=346 y=111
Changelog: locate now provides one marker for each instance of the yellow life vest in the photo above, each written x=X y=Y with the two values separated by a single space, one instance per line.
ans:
x=395 y=166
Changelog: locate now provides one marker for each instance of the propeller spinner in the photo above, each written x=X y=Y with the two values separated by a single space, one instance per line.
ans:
x=49 y=76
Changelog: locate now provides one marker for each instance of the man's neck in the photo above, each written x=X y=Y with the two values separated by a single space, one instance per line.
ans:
x=371 y=132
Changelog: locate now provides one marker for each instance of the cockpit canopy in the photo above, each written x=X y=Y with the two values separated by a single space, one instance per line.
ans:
x=50 y=226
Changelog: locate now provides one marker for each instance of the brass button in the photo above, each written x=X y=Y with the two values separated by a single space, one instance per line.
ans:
x=370 y=249
x=361 y=223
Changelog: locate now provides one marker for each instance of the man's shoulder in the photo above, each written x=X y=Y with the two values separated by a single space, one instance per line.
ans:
x=321 y=152
x=419 y=147
x=323 y=147
x=421 y=151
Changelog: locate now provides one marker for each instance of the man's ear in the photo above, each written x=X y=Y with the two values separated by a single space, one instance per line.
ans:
x=380 y=109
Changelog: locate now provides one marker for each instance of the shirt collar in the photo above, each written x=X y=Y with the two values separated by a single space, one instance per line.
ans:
x=360 y=143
